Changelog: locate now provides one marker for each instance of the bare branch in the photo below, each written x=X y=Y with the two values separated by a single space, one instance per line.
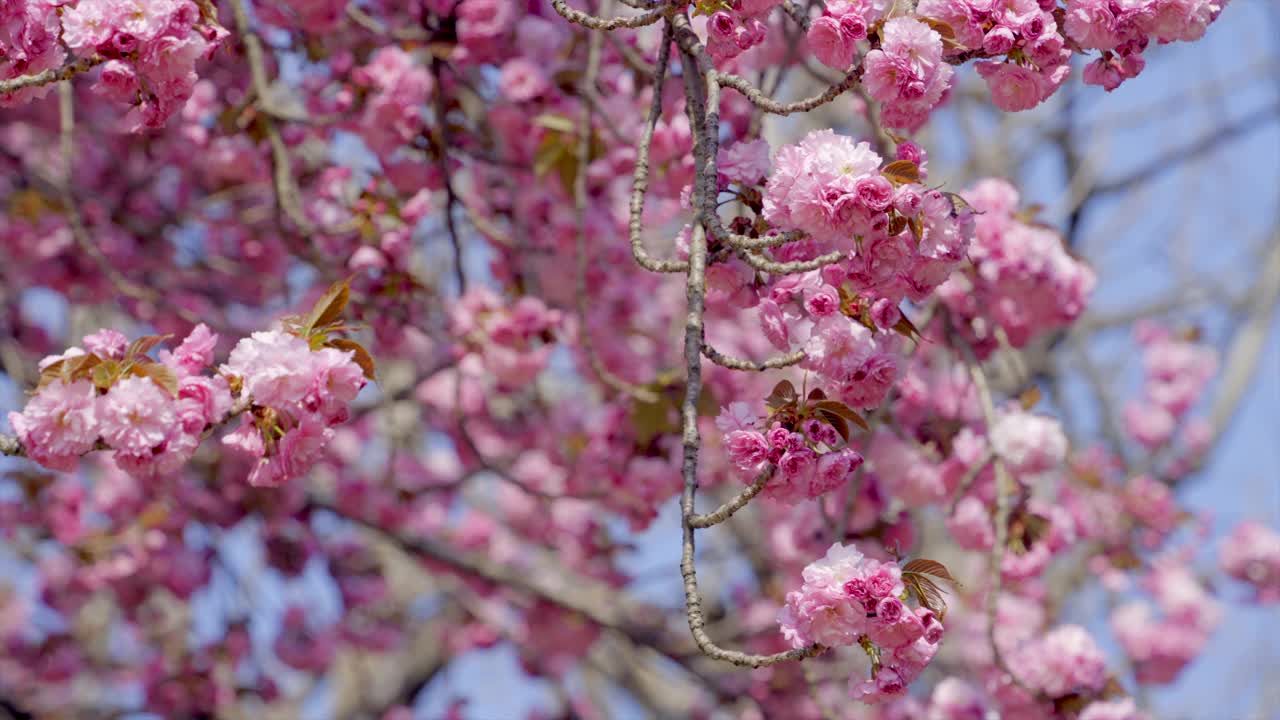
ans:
x=603 y=24
x=66 y=72
x=739 y=501
x=734 y=363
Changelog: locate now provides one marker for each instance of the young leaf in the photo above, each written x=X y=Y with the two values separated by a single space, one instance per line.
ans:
x=160 y=374
x=926 y=591
x=835 y=421
x=1029 y=397
x=944 y=29
x=917 y=229
x=907 y=329
x=651 y=419
x=782 y=394
x=558 y=123
x=817 y=394
x=1029 y=213
x=329 y=307
x=153 y=516
x=958 y=203
x=105 y=374
x=836 y=407
x=360 y=356
x=924 y=566
x=902 y=172
x=707 y=406
x=897 y=225
x=143 y=345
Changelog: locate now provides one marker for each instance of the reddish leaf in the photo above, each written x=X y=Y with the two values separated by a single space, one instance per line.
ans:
x=926 y=591
x=783 y=394
x=907 y=329
x=944 y=29
x=329 y=307
x=901 y=172
x=817 y=394
x=844 y=411
x=360 y=356
x=143 y=345
x=958 y=203
x=897 y=225
x=837 y=422
x=160 y=374
x=917 y=229
x=924 y=566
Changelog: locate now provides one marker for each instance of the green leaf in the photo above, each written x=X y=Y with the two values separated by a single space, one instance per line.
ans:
x=651 y=419
x=105 y=374
x=708 y=406
x=558 y=123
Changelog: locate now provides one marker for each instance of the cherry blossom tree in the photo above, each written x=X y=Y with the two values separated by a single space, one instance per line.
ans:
x=351 y=340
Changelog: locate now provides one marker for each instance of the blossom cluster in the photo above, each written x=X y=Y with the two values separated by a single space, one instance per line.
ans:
x=848 y=599
x=293 y=383
x=1161 y=646
x=907 y=72
x=298 y=395
x=905 y=238
x=1035 y=57
x=1123 y=30
x=1251 y=554
x=152 y=48
x=833 y=37
x=810 y=460
x=109 y=395
x=1177 y=369
x=513 y=341
x=1023 y=281
x=737 y=28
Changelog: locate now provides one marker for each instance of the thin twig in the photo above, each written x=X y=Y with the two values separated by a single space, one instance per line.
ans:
x=734 y=363
x=442 y=163
x=580 y=208
x=79 y=231
x=736 y=503
x=702 y=105
x=769 y=105
x=1004 y=490
x=605 y=24
x=790 y=268
x=640 y=175
x=970 y=476
x=66 y=72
